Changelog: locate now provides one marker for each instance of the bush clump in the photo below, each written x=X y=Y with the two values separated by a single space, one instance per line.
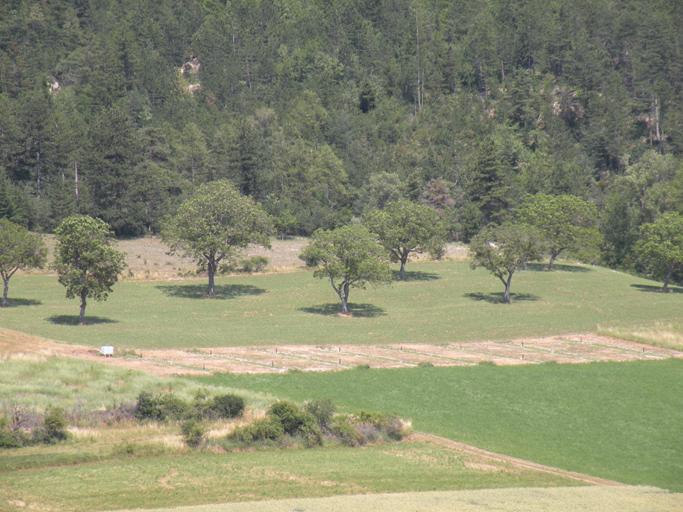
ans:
x=387 y=425
x=254 y=264
x=53 y=429
x=228 y=406
x=266 y=429
x=168 y=406
x=193 y=432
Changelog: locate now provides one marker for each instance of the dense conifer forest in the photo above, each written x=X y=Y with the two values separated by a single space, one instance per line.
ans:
x=322 y=111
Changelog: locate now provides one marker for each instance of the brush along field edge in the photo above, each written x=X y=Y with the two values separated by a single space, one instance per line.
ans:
x=559 y=499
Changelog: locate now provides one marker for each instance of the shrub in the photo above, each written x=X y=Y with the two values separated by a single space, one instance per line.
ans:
x=388 y=424
x=192 y=432
x=266 y=429
x=296 y=422
x=322 y=411
x=160 y=408
x=147 y=408
x=346 y=433
x=254 y=264
x=173 y=406
x=54 y=427
x=228 y=406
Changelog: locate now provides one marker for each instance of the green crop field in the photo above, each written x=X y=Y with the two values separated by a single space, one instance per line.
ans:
x=620 y=421
x=440 y=302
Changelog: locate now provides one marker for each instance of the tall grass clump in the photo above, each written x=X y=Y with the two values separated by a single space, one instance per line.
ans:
x=660 y=334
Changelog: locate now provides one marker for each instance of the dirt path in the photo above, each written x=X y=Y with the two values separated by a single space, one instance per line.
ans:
x=525 y=464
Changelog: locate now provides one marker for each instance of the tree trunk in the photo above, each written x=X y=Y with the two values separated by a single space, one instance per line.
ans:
x=4 y=291
x=211 y=267
x=81 y=316
x=506 y=295
x=345 y=299
x=665 y=288
x=552 y=260
x=401 y=274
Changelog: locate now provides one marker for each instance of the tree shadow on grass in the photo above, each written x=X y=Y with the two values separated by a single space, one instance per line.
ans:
x=415 y=276
x=357 y=310
x=656 y=289
x=543 y=267
x=15 y=303
x=73 y=320
x=498 y=298
x=198 y=291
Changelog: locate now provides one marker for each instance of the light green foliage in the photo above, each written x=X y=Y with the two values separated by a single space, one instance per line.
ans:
x=566 y=222
x=19 y=249
x=502 y=249
x=87 y=264
x=404 y=227
x=215 y=225
x=349 y=257
x=660 y=247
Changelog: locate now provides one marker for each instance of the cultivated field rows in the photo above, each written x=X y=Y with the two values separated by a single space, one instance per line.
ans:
x=278 y=359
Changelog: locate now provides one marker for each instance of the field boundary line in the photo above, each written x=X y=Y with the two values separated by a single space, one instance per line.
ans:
x=521 y=463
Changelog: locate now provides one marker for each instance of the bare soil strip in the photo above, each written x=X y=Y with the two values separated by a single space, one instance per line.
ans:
x=520 y=463
x=277 y=359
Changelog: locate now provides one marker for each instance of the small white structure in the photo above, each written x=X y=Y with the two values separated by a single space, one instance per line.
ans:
x=107 y=350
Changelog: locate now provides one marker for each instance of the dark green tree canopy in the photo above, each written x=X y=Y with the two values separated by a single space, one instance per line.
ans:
x=404 y=227
x=215 y=225
x=87 y=263
x=502 y=249
x=349 y=257
x=660 y=248
x=19 y=249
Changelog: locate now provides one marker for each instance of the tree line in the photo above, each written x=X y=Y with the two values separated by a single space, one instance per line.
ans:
x=215 y=225
x=323 y=112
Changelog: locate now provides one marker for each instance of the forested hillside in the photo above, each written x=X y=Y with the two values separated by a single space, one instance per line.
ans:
x=322 y=111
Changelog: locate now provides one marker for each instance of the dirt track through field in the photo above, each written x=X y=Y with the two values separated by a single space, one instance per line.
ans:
x=279 y=359
x=519 y=463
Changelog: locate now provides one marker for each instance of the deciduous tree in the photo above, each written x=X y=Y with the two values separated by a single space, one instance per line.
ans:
x=660 y=247
x=502 y=249
x=19 y=249
x=349 y=257
x=215 y=225
x=566 y=222
x=87 y=264
x=405 y=227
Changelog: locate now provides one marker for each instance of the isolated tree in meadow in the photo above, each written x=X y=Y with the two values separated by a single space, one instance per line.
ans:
x=404 y=227
x=566 y=222
x=85 y=261
x=19 y=249
x=502 y=249
x=214 y=226
x=349 y=257
x=660 y=247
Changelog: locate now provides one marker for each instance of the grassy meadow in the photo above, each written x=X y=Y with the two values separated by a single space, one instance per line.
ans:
x=439 y=302
x=619 y=421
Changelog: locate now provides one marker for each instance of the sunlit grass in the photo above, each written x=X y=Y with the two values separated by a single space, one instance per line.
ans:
x=441 y=302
